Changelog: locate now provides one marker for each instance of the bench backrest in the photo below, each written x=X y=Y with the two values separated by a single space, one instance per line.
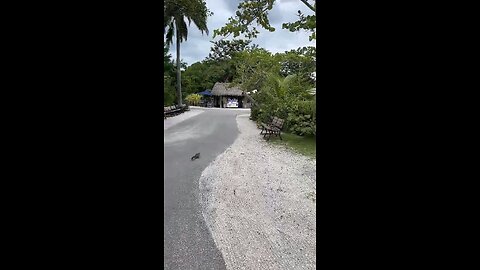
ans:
x=278 y=122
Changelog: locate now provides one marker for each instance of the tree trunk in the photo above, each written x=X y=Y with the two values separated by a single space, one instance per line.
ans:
x=179 y=83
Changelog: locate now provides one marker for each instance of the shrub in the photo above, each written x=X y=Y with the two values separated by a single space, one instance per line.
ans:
x=193 y=99
x=288 y=99
x=302 y=124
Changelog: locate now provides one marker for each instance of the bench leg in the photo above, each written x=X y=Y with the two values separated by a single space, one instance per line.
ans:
x=279 y=135
x=269 y=135
x=265 y=134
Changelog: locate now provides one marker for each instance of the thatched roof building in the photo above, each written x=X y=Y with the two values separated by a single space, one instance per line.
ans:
x=223 y=89
x=226 y=96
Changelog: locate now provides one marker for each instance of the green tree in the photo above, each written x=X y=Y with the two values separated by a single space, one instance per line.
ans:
x=195 y=78
x=253 y=66
x=225 y=49
x=250 y=11
x=203 y=75
x=219 y=66
x=175 y=13
x=221 y=57
x=300 y=62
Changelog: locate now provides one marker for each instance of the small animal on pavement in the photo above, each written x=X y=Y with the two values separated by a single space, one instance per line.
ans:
x=196 y=156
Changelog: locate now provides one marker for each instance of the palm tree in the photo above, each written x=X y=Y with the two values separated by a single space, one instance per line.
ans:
x=175 y=12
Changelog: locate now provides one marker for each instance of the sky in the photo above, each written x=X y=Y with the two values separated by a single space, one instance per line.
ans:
x=197 y=47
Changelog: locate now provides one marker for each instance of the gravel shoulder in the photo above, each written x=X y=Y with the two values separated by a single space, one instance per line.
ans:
x=258 y=201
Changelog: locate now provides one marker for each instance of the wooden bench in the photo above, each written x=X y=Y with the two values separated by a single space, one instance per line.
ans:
x=265 y=125
x=174 y=110
x=167 y=112
x=273 y=128
x=170 y=111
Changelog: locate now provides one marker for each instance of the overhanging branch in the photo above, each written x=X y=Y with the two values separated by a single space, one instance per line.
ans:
x=308 y=5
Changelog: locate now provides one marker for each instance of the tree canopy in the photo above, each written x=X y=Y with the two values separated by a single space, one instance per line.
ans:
x=177 y=11
x=256 y=11
x=225 y=49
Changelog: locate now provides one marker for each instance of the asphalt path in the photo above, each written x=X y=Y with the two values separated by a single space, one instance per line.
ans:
x=186 y=239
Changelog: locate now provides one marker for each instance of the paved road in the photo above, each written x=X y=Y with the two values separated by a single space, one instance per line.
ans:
x=186 y=239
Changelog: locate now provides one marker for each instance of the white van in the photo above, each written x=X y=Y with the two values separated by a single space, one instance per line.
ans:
x=232 y=103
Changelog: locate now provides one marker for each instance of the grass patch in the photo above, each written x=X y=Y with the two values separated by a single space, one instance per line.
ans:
x=305 y=145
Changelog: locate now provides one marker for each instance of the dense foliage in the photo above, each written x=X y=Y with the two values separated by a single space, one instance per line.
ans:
x=203 y=75
x=193 y=99
x=287 y=98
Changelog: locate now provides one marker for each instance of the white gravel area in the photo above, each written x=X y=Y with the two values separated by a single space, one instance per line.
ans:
x=171 y=121
x=258 y=201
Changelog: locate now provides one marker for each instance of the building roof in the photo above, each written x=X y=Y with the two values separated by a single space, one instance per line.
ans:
x=223 y=89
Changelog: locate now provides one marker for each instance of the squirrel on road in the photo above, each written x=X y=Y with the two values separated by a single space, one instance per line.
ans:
x=197 y=155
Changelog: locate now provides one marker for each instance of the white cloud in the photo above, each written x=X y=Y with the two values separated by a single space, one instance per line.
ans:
x=197 y=47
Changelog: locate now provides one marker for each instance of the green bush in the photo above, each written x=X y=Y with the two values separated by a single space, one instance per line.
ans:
x=286 y=98
x=301 y=124
x=193 y=99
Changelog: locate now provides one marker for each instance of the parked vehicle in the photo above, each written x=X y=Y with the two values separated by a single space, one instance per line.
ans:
x=232 y=103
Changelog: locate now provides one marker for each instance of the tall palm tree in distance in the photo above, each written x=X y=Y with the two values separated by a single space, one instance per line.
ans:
x=175 y=12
